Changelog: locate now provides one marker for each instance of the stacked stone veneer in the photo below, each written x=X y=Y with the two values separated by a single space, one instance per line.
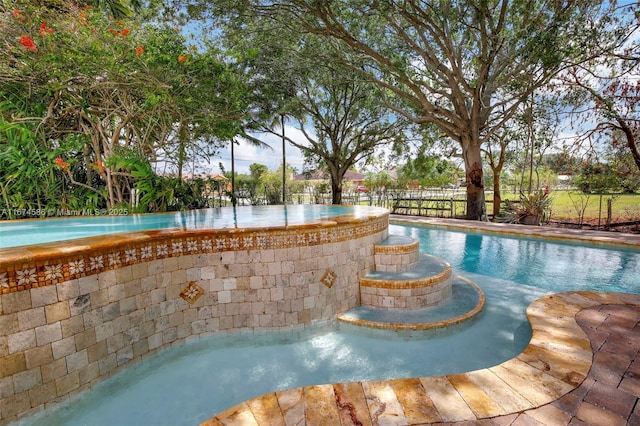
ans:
x=408 y=280
x=71 y=315
x=399 y=255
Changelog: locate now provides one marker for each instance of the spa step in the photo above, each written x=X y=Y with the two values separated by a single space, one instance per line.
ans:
x=426 y=284
x=466 y=301
x=396 y=253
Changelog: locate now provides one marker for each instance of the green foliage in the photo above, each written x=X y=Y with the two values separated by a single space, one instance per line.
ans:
x=250 y=188
x=258 y=170
x=105 y=96
x=532 y=208
x=597 y=178
x=536 y=203
x=430 y=171
x=29 y=177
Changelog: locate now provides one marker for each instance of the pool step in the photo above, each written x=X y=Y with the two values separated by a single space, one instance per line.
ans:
x=403 y=277
x=426 y=284
x=465 y=302
x=396 y=253
x=411 y=290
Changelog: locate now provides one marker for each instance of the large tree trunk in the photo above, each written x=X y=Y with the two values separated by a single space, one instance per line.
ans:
x=336 y=190
x=476 y=209
x=497 y=194
x=631 y=142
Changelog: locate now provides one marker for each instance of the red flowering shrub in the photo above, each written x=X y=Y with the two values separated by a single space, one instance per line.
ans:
x=61 y=163
x=27 y=41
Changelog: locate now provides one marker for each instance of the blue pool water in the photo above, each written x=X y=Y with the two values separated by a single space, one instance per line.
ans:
x=190 y=383
x=37 y=231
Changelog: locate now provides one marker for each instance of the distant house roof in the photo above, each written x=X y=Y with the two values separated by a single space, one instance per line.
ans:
x=213 y=176
x=321 y=175
x=218 y=176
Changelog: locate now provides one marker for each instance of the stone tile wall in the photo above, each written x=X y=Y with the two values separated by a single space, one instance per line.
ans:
x=393 y=296
x=70 y=320
x=398 y=258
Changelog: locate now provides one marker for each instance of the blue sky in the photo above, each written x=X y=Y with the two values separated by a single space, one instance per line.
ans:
x=245 y=154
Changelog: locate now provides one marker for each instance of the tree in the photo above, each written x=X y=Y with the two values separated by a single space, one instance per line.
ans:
x=462 y=65
x=338 y=113
x=429 y=170
x=110 y=98
x=606 y=90
x=347 y=121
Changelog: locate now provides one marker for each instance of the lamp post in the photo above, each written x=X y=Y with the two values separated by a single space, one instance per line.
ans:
x=284 y=164
x=233 y=175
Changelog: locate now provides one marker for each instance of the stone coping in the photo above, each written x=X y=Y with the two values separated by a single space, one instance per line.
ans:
x=25 y=267
x=396 y=244
x=556 y=361
x=603 y=238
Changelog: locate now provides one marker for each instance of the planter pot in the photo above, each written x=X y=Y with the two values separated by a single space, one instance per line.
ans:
x=531 y=219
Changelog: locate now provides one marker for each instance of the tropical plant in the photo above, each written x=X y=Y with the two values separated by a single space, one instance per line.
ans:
x=97 y=92
x=536 y=203
x=534 y=207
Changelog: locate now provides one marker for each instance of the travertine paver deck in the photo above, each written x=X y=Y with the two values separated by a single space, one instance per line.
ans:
x=582 y=366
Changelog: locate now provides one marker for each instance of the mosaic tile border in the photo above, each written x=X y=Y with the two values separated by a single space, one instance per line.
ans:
x=24 y=269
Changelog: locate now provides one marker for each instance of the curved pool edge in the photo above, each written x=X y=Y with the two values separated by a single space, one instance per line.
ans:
x=555 y=362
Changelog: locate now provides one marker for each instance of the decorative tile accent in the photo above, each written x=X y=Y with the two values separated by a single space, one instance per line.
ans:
x=96 y=263
x=176 y=248
x=52 y=272
x=207 y=245
x=114 y=259
x=76 y=267
x=162 y=250
x=130 y=255
x=27 y=276
x=329 y=278
x=146 y=252
x=192 y=292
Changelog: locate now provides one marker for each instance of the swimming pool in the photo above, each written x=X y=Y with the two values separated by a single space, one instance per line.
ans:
x=39 y=231
x=222 y=371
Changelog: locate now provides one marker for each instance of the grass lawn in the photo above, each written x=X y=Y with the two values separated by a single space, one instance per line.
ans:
x=567 y=204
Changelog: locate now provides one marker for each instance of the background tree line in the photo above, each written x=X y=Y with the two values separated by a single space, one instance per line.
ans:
x=99 y=100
